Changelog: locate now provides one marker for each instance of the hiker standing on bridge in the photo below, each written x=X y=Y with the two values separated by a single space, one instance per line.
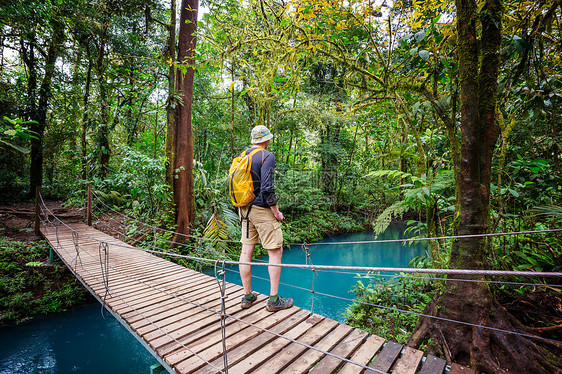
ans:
x=260 y=222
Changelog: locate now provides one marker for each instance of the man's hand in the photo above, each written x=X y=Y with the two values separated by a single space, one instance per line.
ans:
x=277 y=213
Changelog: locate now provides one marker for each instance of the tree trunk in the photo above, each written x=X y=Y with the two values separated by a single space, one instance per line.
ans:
x=171 y=102
x=483 y=349
x=85 y=99
x=232 y=98
x=183 y=165
x=38 y=111
x=103 y=127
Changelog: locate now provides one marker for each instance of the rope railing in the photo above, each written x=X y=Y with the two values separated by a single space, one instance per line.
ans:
x=401 y=240
x=354 y=270
x=349 y=270
x=222 y=312
x=128 y=304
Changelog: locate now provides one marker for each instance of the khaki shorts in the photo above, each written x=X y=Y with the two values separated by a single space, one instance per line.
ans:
x=263 y=227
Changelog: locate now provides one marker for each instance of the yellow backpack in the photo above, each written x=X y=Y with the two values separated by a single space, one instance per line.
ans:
x=240 y=184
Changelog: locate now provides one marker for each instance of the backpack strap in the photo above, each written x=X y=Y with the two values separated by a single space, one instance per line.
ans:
x=247 y=218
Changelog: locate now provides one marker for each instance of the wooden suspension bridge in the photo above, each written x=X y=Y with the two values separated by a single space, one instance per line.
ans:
x=175 y=313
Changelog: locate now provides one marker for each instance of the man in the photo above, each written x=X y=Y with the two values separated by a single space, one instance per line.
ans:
x=260 y=223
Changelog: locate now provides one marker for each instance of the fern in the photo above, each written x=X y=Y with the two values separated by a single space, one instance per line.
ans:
x=222 y=224
x=394 y=174
x=552 y=210
x=383 y=221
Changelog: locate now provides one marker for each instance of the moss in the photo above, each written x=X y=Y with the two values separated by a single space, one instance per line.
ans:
x=28 y=291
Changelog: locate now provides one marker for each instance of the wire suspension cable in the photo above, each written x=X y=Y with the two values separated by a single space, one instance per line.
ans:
x=154 y=324
x=404 y=240
x=222 y=286
x=226 y=315
x=440 y=271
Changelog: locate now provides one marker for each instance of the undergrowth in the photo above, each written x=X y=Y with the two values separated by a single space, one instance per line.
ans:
x=29 y=287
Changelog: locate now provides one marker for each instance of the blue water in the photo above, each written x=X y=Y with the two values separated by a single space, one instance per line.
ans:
x=77 y=341
x=334 y=283
x=82 y=341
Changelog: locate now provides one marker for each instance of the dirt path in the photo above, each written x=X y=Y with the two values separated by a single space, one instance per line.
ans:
x=17 y=220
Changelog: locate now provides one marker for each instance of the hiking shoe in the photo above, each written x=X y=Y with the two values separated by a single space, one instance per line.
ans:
x=246 y=303
x=280 y=304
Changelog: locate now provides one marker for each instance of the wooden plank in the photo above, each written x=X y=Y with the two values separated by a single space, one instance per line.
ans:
x=239 y=353
x=363 y=355
x=386 y=358
x=208 y=333
x=193 y=313
x=158 y=284
x=349 y=344
x=158 y=289
x=211 y=342
x=307 y=360
x=144 y=295
x=153 y=295
x=165 y=304
x=433 y=365
x=182 y=328
x=311 y=330
x=173 y=309
x=459 y=369
x=212 y=353
x=409 y=362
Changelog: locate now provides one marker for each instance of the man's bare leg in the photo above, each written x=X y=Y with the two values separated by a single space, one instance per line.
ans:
x=275 y=257
x=246 y=270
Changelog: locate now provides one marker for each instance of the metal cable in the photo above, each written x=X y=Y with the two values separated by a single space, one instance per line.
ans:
x=222 y=288
x=447 y=271
x=360 y=242
x=405 y=311
x=104 y=247
x=450 y=320
x=155 y=325
x=226 y=315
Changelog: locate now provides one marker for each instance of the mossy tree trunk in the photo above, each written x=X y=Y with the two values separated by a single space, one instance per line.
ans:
x=483 y=349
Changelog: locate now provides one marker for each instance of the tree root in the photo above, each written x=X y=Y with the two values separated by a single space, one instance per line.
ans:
x=544 y=330
x=490 y=350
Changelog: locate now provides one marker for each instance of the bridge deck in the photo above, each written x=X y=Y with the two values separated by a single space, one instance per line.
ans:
x=173 y=312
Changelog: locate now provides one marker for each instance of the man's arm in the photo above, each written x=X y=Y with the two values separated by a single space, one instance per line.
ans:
x=268 y=186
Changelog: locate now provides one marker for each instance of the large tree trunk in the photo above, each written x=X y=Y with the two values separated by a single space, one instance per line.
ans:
x=37 y=112
x=183 y=165
x=483 y=349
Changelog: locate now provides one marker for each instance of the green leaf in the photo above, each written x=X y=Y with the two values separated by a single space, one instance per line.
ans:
x=16 y=147
x=514 y=193
x=424 y=54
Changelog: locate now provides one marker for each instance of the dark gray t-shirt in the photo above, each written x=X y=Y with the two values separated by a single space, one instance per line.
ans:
x=263 y=176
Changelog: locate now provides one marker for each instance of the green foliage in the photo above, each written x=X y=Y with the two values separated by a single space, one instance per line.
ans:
x=314 y=226
x=381 y=307
x=16 y=129
x=28 y=287
x=299 y=192
x=530 y=252
x=531 y=182
x=416 y=195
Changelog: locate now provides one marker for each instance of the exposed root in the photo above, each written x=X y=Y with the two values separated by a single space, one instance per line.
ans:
x=490 y=350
